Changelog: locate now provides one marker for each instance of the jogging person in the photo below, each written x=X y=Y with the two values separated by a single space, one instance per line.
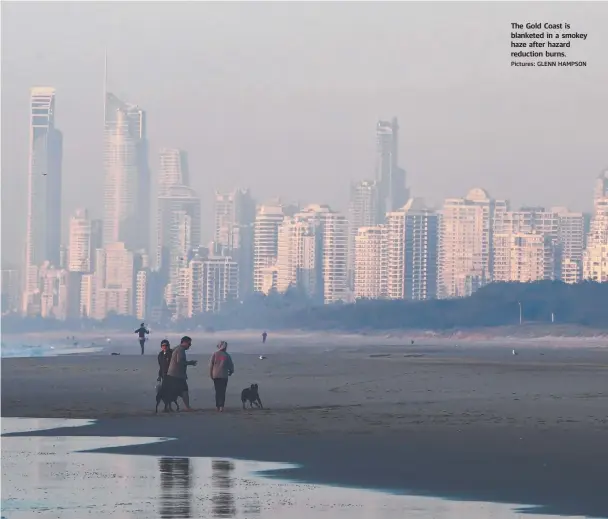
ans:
x=142 y=331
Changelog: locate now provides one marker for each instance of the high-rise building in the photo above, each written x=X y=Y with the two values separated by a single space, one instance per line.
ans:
x=571 y=244
x=516 y=243
x=391 y=178
x=370 y=263
x=465 y=243
x=232 y=210
x=179 y=229
x=115 y=281
x=84 y=239
x=141 y=294
x=43 y=233
x=412 y=248
x=335 y=256
x=265 y=239
x=11 y=290
x=525 y=256
x=127 y=175
x=595 y=256
x=365 y=210
x=299 y=256
x=173 y=170
x=220 y=282
x=600 y=190
x=235 y=214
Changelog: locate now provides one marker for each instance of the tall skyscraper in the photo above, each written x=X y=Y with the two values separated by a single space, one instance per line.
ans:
x=365 y=210
x=466 y=243
x=173 y=171
x=391 y=178
x=43 y=234
x=127 y=175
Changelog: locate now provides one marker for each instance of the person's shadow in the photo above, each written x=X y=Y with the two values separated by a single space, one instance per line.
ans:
x=223 y=504
x=176 y=488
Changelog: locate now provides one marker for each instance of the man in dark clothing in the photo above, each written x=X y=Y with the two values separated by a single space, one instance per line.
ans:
x=164 y=359
x=264 y=335
x=142 y=331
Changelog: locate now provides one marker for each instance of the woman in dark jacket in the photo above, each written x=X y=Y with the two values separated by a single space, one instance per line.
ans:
x=164 y=359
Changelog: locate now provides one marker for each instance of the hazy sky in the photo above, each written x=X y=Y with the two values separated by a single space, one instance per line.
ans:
x=284 y=97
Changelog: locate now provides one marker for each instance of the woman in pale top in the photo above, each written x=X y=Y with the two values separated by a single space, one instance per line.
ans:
x=220 y=368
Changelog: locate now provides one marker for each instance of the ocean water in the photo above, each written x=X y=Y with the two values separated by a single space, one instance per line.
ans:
x=12 y=350
x=51 y=477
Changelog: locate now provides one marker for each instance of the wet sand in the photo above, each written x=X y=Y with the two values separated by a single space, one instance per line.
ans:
x=467 y=421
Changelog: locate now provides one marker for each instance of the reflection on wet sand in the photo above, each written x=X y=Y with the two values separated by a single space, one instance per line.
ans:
x=222 y=483
x=175 y=488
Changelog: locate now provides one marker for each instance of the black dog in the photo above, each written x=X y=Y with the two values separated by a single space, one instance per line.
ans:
x=251 y=395
x=167 y=398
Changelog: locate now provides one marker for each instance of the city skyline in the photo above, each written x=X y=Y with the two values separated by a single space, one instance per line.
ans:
x=530 y=153
x=386 y=247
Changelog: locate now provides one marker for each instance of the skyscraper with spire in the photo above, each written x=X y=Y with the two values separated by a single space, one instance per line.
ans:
x=127 y=175
x=43 y=235
x=391 y=178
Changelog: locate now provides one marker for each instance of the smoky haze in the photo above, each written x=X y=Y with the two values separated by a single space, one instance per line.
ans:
x=284 y=97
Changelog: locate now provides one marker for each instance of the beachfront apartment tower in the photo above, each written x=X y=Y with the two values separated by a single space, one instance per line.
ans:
x=465 y=243
x=370 y=263
x=300 y=252
x=334 y=228
x=265 y=240
x=43 y=231
x=126 y=175
x=412 y=241
x=364 y=210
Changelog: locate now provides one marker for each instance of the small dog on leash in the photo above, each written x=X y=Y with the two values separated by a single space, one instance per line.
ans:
x=251 y=395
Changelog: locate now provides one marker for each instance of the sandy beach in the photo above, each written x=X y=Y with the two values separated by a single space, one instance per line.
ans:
x=443 y=417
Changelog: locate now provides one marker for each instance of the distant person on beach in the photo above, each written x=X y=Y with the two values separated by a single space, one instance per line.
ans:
x=220 y=368
x=176 y=378
x=264 y=335
x=142 y=331
x=164 y=359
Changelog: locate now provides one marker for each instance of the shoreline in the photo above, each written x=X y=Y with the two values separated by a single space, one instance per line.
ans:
x=469 y=423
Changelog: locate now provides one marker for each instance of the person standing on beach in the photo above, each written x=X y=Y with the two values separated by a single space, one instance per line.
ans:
x=264 y=335
x=164 y=359
x=220 y=368
x=142 y=331
x=176 y=378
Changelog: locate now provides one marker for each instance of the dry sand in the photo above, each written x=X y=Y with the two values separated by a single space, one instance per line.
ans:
x=467 y=419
